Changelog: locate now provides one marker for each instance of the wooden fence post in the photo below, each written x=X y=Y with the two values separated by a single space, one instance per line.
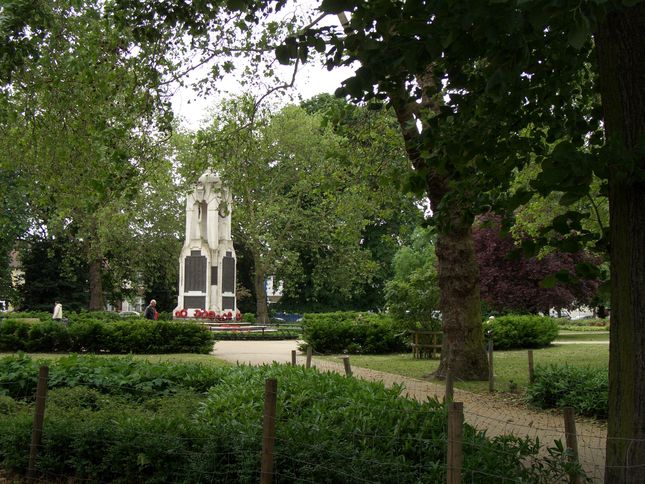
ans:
x=572 y=438
x=531 y=373
x=268 y=430
x=39 y=417
x=348 y=367
x=310 y=352
x=293 y=357
x=491 y=375
x=449 y=387
x=455 y=435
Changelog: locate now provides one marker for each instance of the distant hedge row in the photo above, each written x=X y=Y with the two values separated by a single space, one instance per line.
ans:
x=353 y=332
x=93 y=336
x=521 y=331
x=255 y=336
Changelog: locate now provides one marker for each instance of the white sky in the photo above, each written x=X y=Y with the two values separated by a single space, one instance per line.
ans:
x=312 y=79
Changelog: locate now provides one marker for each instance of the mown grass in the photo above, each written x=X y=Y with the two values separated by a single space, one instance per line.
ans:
x=582 y=336
x=509 y=366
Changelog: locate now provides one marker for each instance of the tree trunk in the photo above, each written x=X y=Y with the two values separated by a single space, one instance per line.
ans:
x=620 y=43
x=262 y=310
x=96 y=286
x=462 y=349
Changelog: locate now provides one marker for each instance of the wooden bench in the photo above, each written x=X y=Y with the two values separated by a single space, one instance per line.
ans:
x=425 y=343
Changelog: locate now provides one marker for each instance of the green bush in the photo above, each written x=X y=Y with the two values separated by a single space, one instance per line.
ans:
x=127 y=336
x=111 y=433
x=248 y=318
x=515 y=331
x=583 y=388
x=352 y=332
x=247 y=335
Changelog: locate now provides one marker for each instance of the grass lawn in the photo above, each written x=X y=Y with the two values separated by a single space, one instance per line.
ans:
x=582 y=336
x=172 y=357
x=509 y=365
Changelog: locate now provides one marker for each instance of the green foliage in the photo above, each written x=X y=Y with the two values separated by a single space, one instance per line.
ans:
x=352 y=332
x=412 y=296
x=584 y=389
x=522 y=331
x=281 y=334
x=248 y=318
x=91 y=335
x=104 y=422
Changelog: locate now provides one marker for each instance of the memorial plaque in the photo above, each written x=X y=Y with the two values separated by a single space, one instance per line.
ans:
x=228 y=303
x=228 y=274
x=213 y=275
x=195 y=273
x=194 y=302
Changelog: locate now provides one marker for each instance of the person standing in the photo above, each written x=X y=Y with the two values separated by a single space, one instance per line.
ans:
x=151 y=311
x=58 y=312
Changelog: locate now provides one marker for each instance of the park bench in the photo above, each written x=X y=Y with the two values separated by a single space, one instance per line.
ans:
x=425 y=343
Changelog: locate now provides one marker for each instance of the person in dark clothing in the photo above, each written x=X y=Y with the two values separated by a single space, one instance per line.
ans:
x=151 y=311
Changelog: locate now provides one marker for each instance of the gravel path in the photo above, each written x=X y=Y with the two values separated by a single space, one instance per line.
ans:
x=492 y=413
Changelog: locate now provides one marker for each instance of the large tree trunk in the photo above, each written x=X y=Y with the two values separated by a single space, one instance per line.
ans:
x=462 y=350
x=262 y=310
x=621 y=45
x=96 y=286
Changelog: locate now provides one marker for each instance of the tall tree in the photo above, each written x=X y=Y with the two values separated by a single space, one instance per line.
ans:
x=85 y=114
x=313 y=198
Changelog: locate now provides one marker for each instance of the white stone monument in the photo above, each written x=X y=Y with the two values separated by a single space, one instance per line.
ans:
x=207 y=259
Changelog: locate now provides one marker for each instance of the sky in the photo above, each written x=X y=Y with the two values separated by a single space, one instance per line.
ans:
x=312 y=79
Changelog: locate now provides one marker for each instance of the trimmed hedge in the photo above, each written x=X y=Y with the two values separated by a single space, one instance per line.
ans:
x=103 y=429
x=93 y=336
x=353 y=332
x=253 y=336
x=526 y=331
x=583 y=388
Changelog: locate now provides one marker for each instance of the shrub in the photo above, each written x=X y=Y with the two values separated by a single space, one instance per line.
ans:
x=128 y=336
x=248 y=318
x=361 y=428
x=583 y=388
x=351 y=332
x=253 y=336
x=514 y=331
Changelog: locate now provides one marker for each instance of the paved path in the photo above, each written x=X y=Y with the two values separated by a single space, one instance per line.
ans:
x=487 y=412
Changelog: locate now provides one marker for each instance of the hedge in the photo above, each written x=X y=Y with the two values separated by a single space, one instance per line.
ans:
x=93 y=336
x=255 y=336
x=526 y=331
x=98 y=428
x=353 y=332
x=583 y=388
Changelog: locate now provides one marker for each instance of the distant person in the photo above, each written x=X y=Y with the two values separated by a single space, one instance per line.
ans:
x=151 y=311
x=58 y=312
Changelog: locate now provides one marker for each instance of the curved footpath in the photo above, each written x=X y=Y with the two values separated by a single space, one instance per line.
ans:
x=486 y=412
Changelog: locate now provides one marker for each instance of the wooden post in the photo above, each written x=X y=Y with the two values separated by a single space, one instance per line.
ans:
x=310 y=352
x=39 y=417
x=293 y=357
x=491 y=375
x=348 y=367
x=571 y=438
x=455 y=434
x=531 y=373
x=268 y=430
x=449 y=387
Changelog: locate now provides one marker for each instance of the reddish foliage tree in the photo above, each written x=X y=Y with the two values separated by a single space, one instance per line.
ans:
x=512 y=282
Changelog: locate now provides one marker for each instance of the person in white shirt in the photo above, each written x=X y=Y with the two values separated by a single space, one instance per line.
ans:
x=58 y=312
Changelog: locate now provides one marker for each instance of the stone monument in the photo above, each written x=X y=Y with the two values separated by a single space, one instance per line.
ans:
x=207 y=259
